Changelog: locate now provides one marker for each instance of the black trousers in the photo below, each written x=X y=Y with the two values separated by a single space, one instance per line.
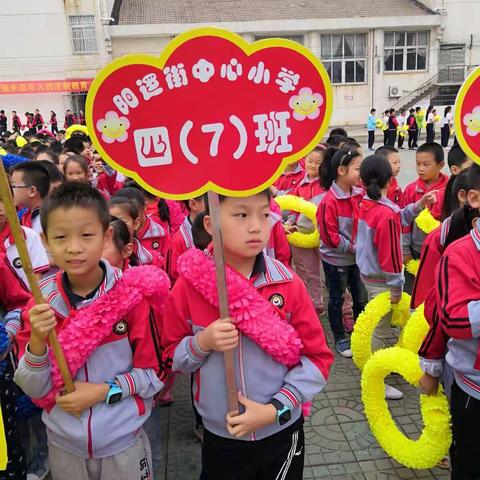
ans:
x=445 y=135
x=465 y=450
x=385 y=137
x=278 y=456
x=371 y=138
x=430 y=133
x=392 y=137
x=401 y=139
x=412 y=138
x=54 y=129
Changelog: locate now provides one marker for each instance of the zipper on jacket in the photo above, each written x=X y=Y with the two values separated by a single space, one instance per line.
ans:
x=89 y=422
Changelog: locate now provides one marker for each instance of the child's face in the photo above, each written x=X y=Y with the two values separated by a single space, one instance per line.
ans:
x=60 y=137
x=133 y=224
x=350 y=175
x=74 y=172
x=113 y=255
x=76 y=238
x=98 y=164
x=22 y=193
x=394 y=159
x=427 y=168
x=312 y=164
x=245 y=226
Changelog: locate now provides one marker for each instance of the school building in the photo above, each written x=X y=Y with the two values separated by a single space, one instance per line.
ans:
x=379 y=53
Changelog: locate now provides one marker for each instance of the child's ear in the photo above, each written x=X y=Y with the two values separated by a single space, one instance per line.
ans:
x=342 y=170
x=127 y=250
x=107 y=235
x=136 y=224
x=454 y=170
x=32 y=191
x=462 y=196
x=473 y=198
x=441 y=165
x=207 y=223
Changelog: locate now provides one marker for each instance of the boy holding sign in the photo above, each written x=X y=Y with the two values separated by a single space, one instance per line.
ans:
x=283 y=359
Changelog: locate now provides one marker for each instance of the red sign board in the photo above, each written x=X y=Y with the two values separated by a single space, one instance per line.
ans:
x=467 y=116
x=45 y=86
x=213 y=112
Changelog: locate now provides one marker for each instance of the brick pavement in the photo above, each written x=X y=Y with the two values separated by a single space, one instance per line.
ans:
x=339 y=444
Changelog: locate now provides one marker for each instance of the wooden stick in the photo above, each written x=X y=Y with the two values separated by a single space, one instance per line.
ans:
x=17 y=232
x=214 y=207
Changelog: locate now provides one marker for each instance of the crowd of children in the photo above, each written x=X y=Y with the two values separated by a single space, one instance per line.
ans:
x=129 y=286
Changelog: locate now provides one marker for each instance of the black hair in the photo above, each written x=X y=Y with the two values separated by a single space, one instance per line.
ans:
x=417 y=109
x=447 y=110
x=336 y=140
x=375 y=173
x=412 y=110
x=2 y=111
x=35 y=145
x=27 y=152
x=350 y=142
x=338 y=131
x=34 y=175
x=474 y=177
x=435 y=149
x=130 y=204
x=385 y=150
x=429 y=109
x=80 y=160
x=75 y=194
x=62 y=132
x=121 y=237
x=454 y=185
x=54 y=174
x=53 y=156
x=56 y=147
x=74 y=144
x=392 y=110
x=373 y=110
x=267 y=193
x=456 y=156
x=461 y=223
x=331 y=161
x=162 y=206
x=201 y=238
x=133 y=194
x=186 y=203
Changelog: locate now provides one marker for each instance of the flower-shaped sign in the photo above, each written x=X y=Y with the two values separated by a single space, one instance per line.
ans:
x=212 y=112
x=467 y=116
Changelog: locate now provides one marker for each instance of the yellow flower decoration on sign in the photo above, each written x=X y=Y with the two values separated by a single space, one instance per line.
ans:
x=436 y=437
x=309 y=209
x=367 y=321
x=425 y=221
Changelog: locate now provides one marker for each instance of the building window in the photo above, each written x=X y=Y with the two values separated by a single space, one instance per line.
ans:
x=293 y=38
x=345 y=57
x=82 y=29
x=405 y=51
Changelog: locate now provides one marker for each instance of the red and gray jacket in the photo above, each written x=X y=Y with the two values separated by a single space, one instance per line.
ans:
x=413 y=237
x=277 y=246
x=288 y=181
x=395 y=193
x=456 y=309
x=154 y=238
x=131 y=355
x=379 y=244
x=180 y=243
x=258 y=376
x=337 y=217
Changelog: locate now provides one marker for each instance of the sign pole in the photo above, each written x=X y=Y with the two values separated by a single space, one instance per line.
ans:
x=17 y=232
x=214 y=207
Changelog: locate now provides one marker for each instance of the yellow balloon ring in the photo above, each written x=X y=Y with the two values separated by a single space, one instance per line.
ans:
x=309 y=209
x=436 y=437
x=426 y=222
x=415 y=330
x=367 y=321
x=75 y=128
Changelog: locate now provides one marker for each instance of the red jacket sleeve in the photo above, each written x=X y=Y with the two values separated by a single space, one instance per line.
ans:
x=434 y=345
x=387 y=241
x=327 y=220
x=280 y=244
x=12 y=294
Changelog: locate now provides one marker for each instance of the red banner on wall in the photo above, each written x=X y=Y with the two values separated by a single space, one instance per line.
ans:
x=45 y=86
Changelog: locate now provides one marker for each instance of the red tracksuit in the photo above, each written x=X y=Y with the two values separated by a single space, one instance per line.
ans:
x=395 y=193
x=154 y=238
x=288 y=181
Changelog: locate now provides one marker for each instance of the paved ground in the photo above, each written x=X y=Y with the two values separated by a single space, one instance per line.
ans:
x=339 y=444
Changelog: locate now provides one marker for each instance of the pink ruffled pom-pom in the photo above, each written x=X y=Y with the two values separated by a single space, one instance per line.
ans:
x=177 y=215
x=86 y=328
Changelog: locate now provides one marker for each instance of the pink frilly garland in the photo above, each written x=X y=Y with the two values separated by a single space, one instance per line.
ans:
x=86 y=328
x=177 y=215
x=250 y=312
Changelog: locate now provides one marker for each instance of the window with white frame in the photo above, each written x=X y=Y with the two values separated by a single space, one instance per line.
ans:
x=83 y=33
x=345 y=57
x=404 y=51
x=293 y=38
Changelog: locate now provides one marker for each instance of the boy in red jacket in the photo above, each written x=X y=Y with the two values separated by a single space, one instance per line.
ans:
x=430 y=161
x=395 y=193
x=266 y=440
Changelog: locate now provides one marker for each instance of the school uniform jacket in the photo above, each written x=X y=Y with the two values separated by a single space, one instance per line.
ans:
x=180 y=243
x=288 y=181
x=337 y=218
x=31 y=219
x=395 y=193
x=130 y=354
x=258 y=376
x=457 y=309
x=154 y=238
x=413 y=237
x=277 y=246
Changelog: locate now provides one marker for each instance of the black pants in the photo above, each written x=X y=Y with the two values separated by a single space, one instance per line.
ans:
x=278 y=456
x=54 y=129
x=412 y=138
x=465 y=450
x=401 y=139
x=430 y=133
x=371 y=138
x=392 y=137
x=445 y=135
x=385 y=137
